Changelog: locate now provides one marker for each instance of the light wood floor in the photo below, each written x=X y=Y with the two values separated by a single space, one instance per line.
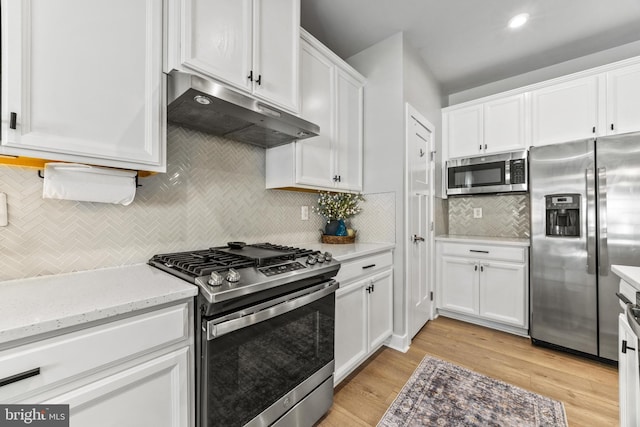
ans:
x=588 y=389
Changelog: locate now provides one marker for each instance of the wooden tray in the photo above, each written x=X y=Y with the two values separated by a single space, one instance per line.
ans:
x=327 y=238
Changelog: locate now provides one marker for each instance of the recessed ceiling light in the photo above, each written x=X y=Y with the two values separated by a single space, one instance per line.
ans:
x=518 y=20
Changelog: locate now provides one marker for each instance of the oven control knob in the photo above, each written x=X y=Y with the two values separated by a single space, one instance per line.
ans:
x=215 y=279
x=327 y=256
x=311 y=260
x=320 y=258
x=233 y=276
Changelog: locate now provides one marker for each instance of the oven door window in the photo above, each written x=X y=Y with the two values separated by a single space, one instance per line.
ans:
x=249 y=369
x=480 y=175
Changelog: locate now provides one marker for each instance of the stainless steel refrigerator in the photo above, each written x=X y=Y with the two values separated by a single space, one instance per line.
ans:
x=585 y=216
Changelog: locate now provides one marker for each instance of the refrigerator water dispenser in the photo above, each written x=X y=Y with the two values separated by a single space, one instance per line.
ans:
x=563 y=215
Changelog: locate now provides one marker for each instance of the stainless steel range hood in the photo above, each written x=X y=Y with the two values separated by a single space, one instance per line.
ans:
x=209 y=107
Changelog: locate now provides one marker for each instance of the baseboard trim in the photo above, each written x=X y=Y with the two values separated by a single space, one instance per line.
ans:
x=398 y=342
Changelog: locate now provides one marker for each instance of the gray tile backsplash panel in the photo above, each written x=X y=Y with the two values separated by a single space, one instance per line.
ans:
x=502 y=216
x=377 y=221
x=213 y=192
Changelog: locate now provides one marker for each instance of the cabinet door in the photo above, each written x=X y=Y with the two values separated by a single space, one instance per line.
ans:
x=565 y=112
x=504 y=124
x=350 y=329
x=464 y=128
x=84 y=79
x=380 y=308
x=629 y=377
x=313 y=155
x=460 y=284
x=276 y=44
x=348 y=146
x=217 y=39
x=154 y=393
x=502 y=292
x=623 y=100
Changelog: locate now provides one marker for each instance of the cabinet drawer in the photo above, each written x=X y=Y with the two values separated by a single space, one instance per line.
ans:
x=353 y=269
x=68 y=356
x=506 y=253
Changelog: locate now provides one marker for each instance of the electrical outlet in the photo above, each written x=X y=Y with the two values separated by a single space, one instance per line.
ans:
x=477 y=212
x=304 y=213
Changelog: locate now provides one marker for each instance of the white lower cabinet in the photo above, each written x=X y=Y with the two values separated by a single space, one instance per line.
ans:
x=629 y=375
x=364 y=312
x=484 y=284
x=130 y=372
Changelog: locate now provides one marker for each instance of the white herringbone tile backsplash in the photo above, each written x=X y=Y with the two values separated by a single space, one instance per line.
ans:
x=502 y=216
x=213 y=192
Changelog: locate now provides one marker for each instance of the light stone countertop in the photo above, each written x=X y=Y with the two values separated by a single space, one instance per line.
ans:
x=39 y=305
x=345 y=252
x=507 y=241
x=629 y=274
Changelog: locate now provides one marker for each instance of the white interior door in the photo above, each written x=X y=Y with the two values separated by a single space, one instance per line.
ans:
x=420 y=214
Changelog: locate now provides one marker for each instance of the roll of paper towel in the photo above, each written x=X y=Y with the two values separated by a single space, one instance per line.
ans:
x=71 y=181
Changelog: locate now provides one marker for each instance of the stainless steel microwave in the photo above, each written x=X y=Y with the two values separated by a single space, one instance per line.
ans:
x=496 y=173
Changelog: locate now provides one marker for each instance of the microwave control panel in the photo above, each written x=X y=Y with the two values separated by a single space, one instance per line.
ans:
x=517 y=171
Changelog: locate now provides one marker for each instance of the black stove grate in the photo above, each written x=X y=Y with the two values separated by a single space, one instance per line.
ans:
x=203 y=262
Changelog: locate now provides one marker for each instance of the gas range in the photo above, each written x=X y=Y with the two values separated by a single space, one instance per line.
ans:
x=237 y=270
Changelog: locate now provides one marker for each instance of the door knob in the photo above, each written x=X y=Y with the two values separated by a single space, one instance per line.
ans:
x=417 y=239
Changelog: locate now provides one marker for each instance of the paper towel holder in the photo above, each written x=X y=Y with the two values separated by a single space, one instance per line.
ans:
x=137 y=175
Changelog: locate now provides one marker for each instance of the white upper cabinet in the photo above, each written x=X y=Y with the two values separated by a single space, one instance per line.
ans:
x=252 y=45
x=332 y=97
x=83 y=82
x=623 y=100
x=566 y=111
x=313 y=155
x=463 y=131
x=492 y=127
x=505 y=124
x=348 y=142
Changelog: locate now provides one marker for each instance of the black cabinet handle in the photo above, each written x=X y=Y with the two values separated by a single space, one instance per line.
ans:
x=12 y=121
x=250 y=76
x=373 y=287
x=479 y=252
x=475 y=267
x=480 y=147
x=368 y=266
x=481 y=268
x=259 y=81
x=623 y=298
x=19 y=377
x=593 y=130
x=625 y=347
x=611 y=126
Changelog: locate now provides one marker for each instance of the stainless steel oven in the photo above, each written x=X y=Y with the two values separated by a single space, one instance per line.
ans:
x=497 y=173
x=263 y=361
x=265 y=343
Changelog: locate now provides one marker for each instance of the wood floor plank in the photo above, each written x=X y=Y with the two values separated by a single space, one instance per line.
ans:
x=588 y=389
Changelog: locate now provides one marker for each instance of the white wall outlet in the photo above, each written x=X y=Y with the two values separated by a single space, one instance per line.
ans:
x=477 y=212
x=3 y=210
x=304 y=213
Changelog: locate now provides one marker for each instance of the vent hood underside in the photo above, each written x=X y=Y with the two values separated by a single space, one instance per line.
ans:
x=207 y=106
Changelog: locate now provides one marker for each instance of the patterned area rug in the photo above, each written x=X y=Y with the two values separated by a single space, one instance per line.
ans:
x=442 y=394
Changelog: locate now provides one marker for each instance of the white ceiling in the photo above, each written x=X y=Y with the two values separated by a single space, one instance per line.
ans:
x=466 y=43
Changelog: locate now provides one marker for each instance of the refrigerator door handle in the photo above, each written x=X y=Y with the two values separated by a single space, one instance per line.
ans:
x=603 y=249
x=591 y=221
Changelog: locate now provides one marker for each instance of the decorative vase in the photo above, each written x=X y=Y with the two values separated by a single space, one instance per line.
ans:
x=331 y=227
x=335 y=227
x=342 y=228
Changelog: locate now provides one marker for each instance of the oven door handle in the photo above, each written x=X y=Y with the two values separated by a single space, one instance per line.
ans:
x=215 y=330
